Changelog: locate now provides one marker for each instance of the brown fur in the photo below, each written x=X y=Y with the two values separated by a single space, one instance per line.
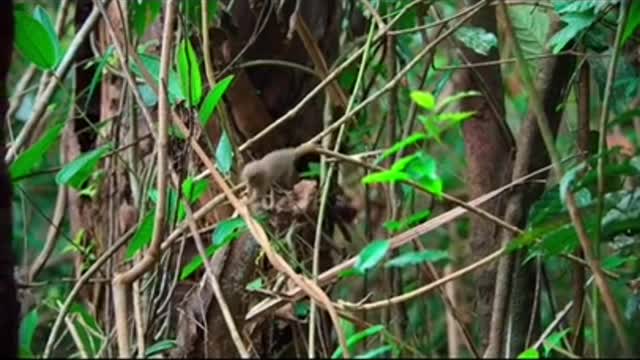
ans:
x=276 y=168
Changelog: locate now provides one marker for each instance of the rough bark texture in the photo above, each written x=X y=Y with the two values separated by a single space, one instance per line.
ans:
x=488 y=156
x=531 y=156
x=9 y=320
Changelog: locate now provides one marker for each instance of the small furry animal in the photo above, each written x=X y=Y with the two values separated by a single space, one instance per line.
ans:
x=276 y=168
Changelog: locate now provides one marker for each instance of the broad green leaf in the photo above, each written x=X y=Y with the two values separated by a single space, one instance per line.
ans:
x=554 y=341
x=33 y=41
x=255 y=285
x=632 y=22
x=356 y=339
x=162 y=345
x=152 y=64
x=224 y=154
x=531 y=29
x=227 y=229
x=28 y=327
x=301 y=310
x=576 y=22
x=79 y=170
x=31 y=158
x=195 y=264
x=477 y=39
x=614 y=262
x=142 y=236
x=401 y=145
x=213 y=98
x=376 y=353
x=423 y=169
x=384 y=177
x=455 y=98
x=371 y=255
x=226 y=232
x=189 y=72
x=572 y=6
x=531 y=353
x=143 y=14
x=413 y=258
x=425 y=99
x=41 y=15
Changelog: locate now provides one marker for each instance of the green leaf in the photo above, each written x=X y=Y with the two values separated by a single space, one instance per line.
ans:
x=41 y=15
x=356 y=339
x=431 y=127
x=413 y=220
x=31 y=158
x=401 y=145
x=142 y=236
x=226 y=232
x=413 y=258
x=212 y=99
x=301 y=310
x=162 y=345
x=79 y=170
x=152 y=64
x=614 y=262
x=531 y=29
x=573 y=6
x=224 y=154
x=423 y=169
x=424 y=99
x=569 y=179
x=33 y=41
x=633 y=307
x=531 y=353
x=477 y=39
x=455 y=98
x=143 y=14
x=380 y=352
x=255 y=285
x=455 y=118
x=89 y=332
x=632 y=22
x=189 y=72
x=576 y=22
x=554 y=340
x=28 y=327
x=371 y=255
x=385 y=177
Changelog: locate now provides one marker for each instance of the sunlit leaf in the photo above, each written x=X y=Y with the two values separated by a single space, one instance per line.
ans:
x=401 y=145
x=213 y=98
x=79 y=170
x=152 y=64
x=224 y=154
x=34 y=42
x=189 y=72
x=384 y=177
x=31 y=158
x=554 y=340
x=371 y=255
x=425 y=99
x=455 y=98
x=413 y=258
x=43 y=17
x=531 y=353
x=455 y=117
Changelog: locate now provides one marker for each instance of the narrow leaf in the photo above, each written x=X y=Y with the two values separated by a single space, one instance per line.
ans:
x=31 y=158
x=384 y=177
x=189 y=72
x=213 y=98
x=79 y=170
x=425 y=99
x=224 y=154
x=160 y=347
x=371 y=255
x=356 y=339
x=143 y=235
x=413 y=258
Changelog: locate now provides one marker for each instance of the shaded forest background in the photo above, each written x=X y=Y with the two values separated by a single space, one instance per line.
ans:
x=473 y=191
